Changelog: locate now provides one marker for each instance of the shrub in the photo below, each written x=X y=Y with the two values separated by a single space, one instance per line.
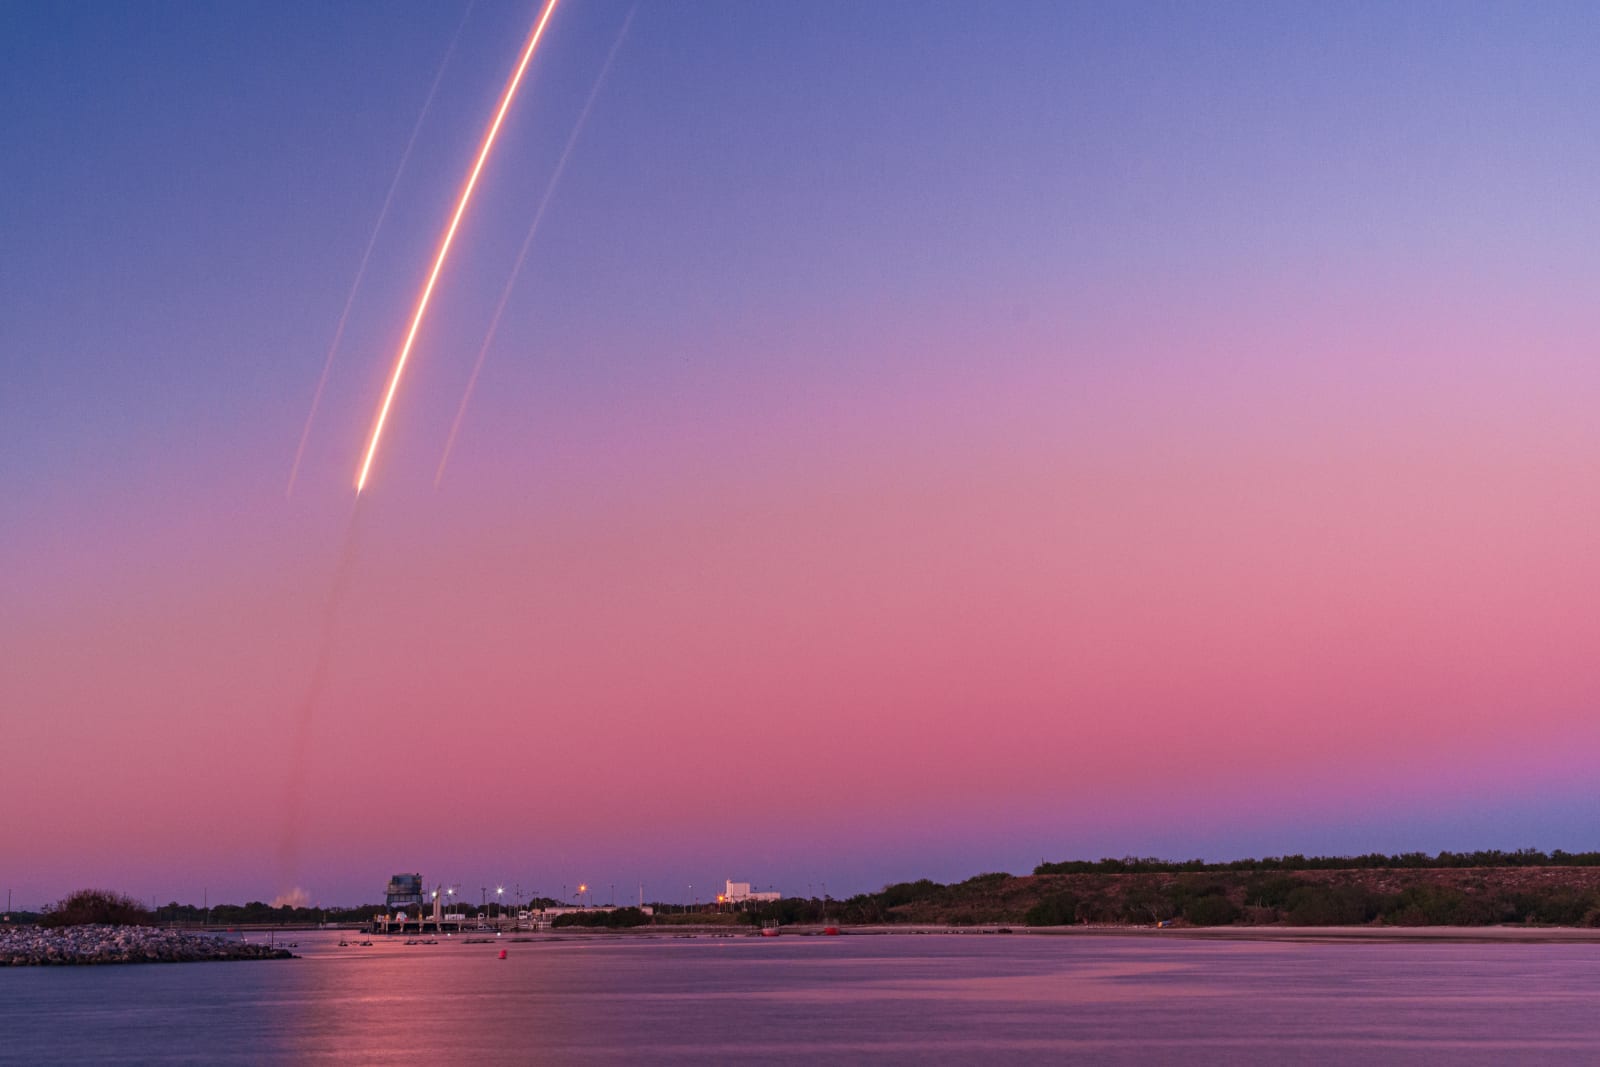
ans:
x=1559 y=907
x=992 y=880
x=1269 y=890
x=1211 y=910
x=1332 y=905
x=902 y=893
x=1058 y=910
x=98 y=907
x=1426 y=905
x=621 y=917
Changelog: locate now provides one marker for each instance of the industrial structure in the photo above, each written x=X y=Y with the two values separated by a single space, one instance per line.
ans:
x=404 y=890
x=445 y=916
x=739 y=893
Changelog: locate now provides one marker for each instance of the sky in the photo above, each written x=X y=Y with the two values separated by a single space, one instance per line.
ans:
x=923 y=439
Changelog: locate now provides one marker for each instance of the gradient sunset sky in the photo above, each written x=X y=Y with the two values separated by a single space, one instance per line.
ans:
x=925 y=439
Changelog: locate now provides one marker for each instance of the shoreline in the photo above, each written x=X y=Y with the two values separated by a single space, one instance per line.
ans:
x=91 y=946
x=1485 y=934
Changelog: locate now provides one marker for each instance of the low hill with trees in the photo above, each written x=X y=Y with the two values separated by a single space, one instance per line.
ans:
x=1414 y=889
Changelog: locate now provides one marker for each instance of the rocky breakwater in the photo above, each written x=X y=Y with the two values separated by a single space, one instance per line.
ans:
x=26 y=946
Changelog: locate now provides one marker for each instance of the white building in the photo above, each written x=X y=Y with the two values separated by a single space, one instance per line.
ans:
x=739 y=892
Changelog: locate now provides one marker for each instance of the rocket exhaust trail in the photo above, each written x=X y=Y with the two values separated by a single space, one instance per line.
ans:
x=527 y=243
x=305 y=713
x=383 y=213
x=449 y=236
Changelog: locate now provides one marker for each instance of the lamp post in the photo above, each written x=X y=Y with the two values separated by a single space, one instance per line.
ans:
x=499 y=901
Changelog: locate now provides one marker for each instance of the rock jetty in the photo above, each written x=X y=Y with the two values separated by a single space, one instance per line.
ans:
x=31 y=946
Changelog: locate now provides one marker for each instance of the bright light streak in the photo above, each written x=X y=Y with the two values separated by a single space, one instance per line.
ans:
x=355 y=286
x=527 y=243
x=449 y=236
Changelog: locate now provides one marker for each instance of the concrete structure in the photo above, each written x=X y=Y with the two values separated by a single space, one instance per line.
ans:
x=739 y=893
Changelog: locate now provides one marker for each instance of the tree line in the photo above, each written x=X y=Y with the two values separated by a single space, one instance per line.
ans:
x=1522 y=857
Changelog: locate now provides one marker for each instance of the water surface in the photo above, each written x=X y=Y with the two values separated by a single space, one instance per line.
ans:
x=887 y=999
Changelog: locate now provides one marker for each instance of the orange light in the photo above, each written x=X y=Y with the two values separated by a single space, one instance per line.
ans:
x=449 y=236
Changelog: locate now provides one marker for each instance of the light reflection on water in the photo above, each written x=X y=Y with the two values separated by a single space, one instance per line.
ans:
x=933 y=999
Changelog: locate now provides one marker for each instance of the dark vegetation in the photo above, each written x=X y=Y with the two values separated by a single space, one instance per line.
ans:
x=96 y=907
x=1415 y=889
x=1523 y=857
x=618 y=919
x=257 y=913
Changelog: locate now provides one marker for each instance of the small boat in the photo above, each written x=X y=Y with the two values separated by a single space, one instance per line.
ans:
x=769 y=928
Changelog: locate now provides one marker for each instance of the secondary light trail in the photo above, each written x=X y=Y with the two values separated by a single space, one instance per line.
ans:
x=350 y=298
x=527 y=243
x=449 y=236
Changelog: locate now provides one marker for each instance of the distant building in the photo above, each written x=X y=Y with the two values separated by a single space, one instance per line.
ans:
x=739 y=893
x=404 y=891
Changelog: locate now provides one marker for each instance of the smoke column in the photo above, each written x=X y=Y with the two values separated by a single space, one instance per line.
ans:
x=300 y=742
x=383 y=213
x=527 y=243
x=449 y=236
x=300 y=746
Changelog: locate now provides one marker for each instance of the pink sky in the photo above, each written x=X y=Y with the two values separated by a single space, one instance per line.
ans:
x=1099 y=434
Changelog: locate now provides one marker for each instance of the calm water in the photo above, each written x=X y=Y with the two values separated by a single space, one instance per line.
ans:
x=896 y=999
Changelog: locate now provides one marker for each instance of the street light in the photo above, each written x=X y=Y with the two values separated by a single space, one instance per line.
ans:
x=499 y=901
x=583 y=887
